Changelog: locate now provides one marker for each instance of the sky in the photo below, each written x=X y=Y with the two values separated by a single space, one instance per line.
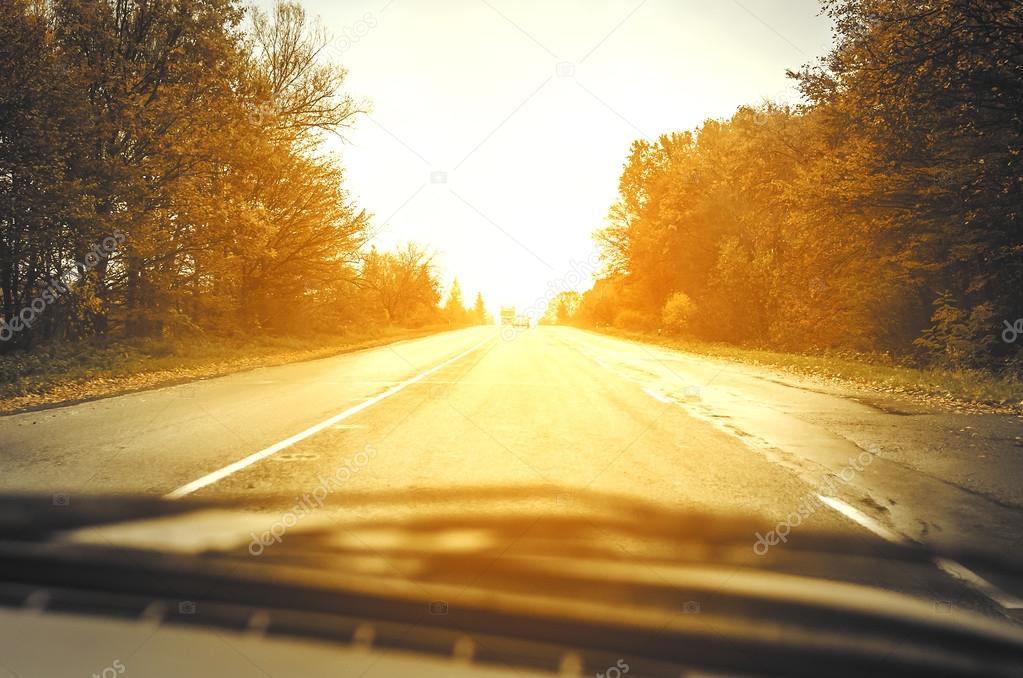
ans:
x=498 y=129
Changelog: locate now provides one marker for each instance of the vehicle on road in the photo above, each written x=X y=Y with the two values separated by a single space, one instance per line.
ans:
x=533 y=581
x=507 y=315
x=521 y=321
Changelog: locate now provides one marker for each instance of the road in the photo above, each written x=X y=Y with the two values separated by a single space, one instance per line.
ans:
x=547 y=406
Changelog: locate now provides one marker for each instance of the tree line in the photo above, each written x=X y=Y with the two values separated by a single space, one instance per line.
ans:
x=880 y=213
x=161 y=173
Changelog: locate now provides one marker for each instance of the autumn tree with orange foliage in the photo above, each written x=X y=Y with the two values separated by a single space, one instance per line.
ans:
x=194 y=130
x=881 y=214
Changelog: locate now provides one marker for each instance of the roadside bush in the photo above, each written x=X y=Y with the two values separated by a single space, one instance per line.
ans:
x=677 y=312
x=631 y=319
x=959 y=338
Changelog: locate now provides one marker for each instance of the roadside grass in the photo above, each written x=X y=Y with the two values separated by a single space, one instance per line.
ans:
x=69 y=372
x=879 y=373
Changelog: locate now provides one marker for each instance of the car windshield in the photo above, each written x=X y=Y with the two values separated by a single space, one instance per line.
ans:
x=710 y=313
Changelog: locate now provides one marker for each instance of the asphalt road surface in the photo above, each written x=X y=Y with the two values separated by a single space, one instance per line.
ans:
x=547 y=406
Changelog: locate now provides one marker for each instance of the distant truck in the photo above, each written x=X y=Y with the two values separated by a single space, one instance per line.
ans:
x=521 y=321
x=507 y=315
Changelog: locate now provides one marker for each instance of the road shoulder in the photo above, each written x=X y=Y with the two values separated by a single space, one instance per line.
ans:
x=57 y=380
x=936 y=475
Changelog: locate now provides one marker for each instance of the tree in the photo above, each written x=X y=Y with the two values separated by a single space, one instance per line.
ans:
x=36 y=195
x=928 y=98
x=156 y=82
x=880 y=213
x=562 y=308
x=677 y=313
x=454 y=309
x=479 y=311
x=292 y=89
x=197 y=137
x=404 y=284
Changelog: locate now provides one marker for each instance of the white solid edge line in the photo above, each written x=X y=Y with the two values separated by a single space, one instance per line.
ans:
x=861 y=518
x=224 y=472
x=658 y=396
x=946 y=565
x=968 y=576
